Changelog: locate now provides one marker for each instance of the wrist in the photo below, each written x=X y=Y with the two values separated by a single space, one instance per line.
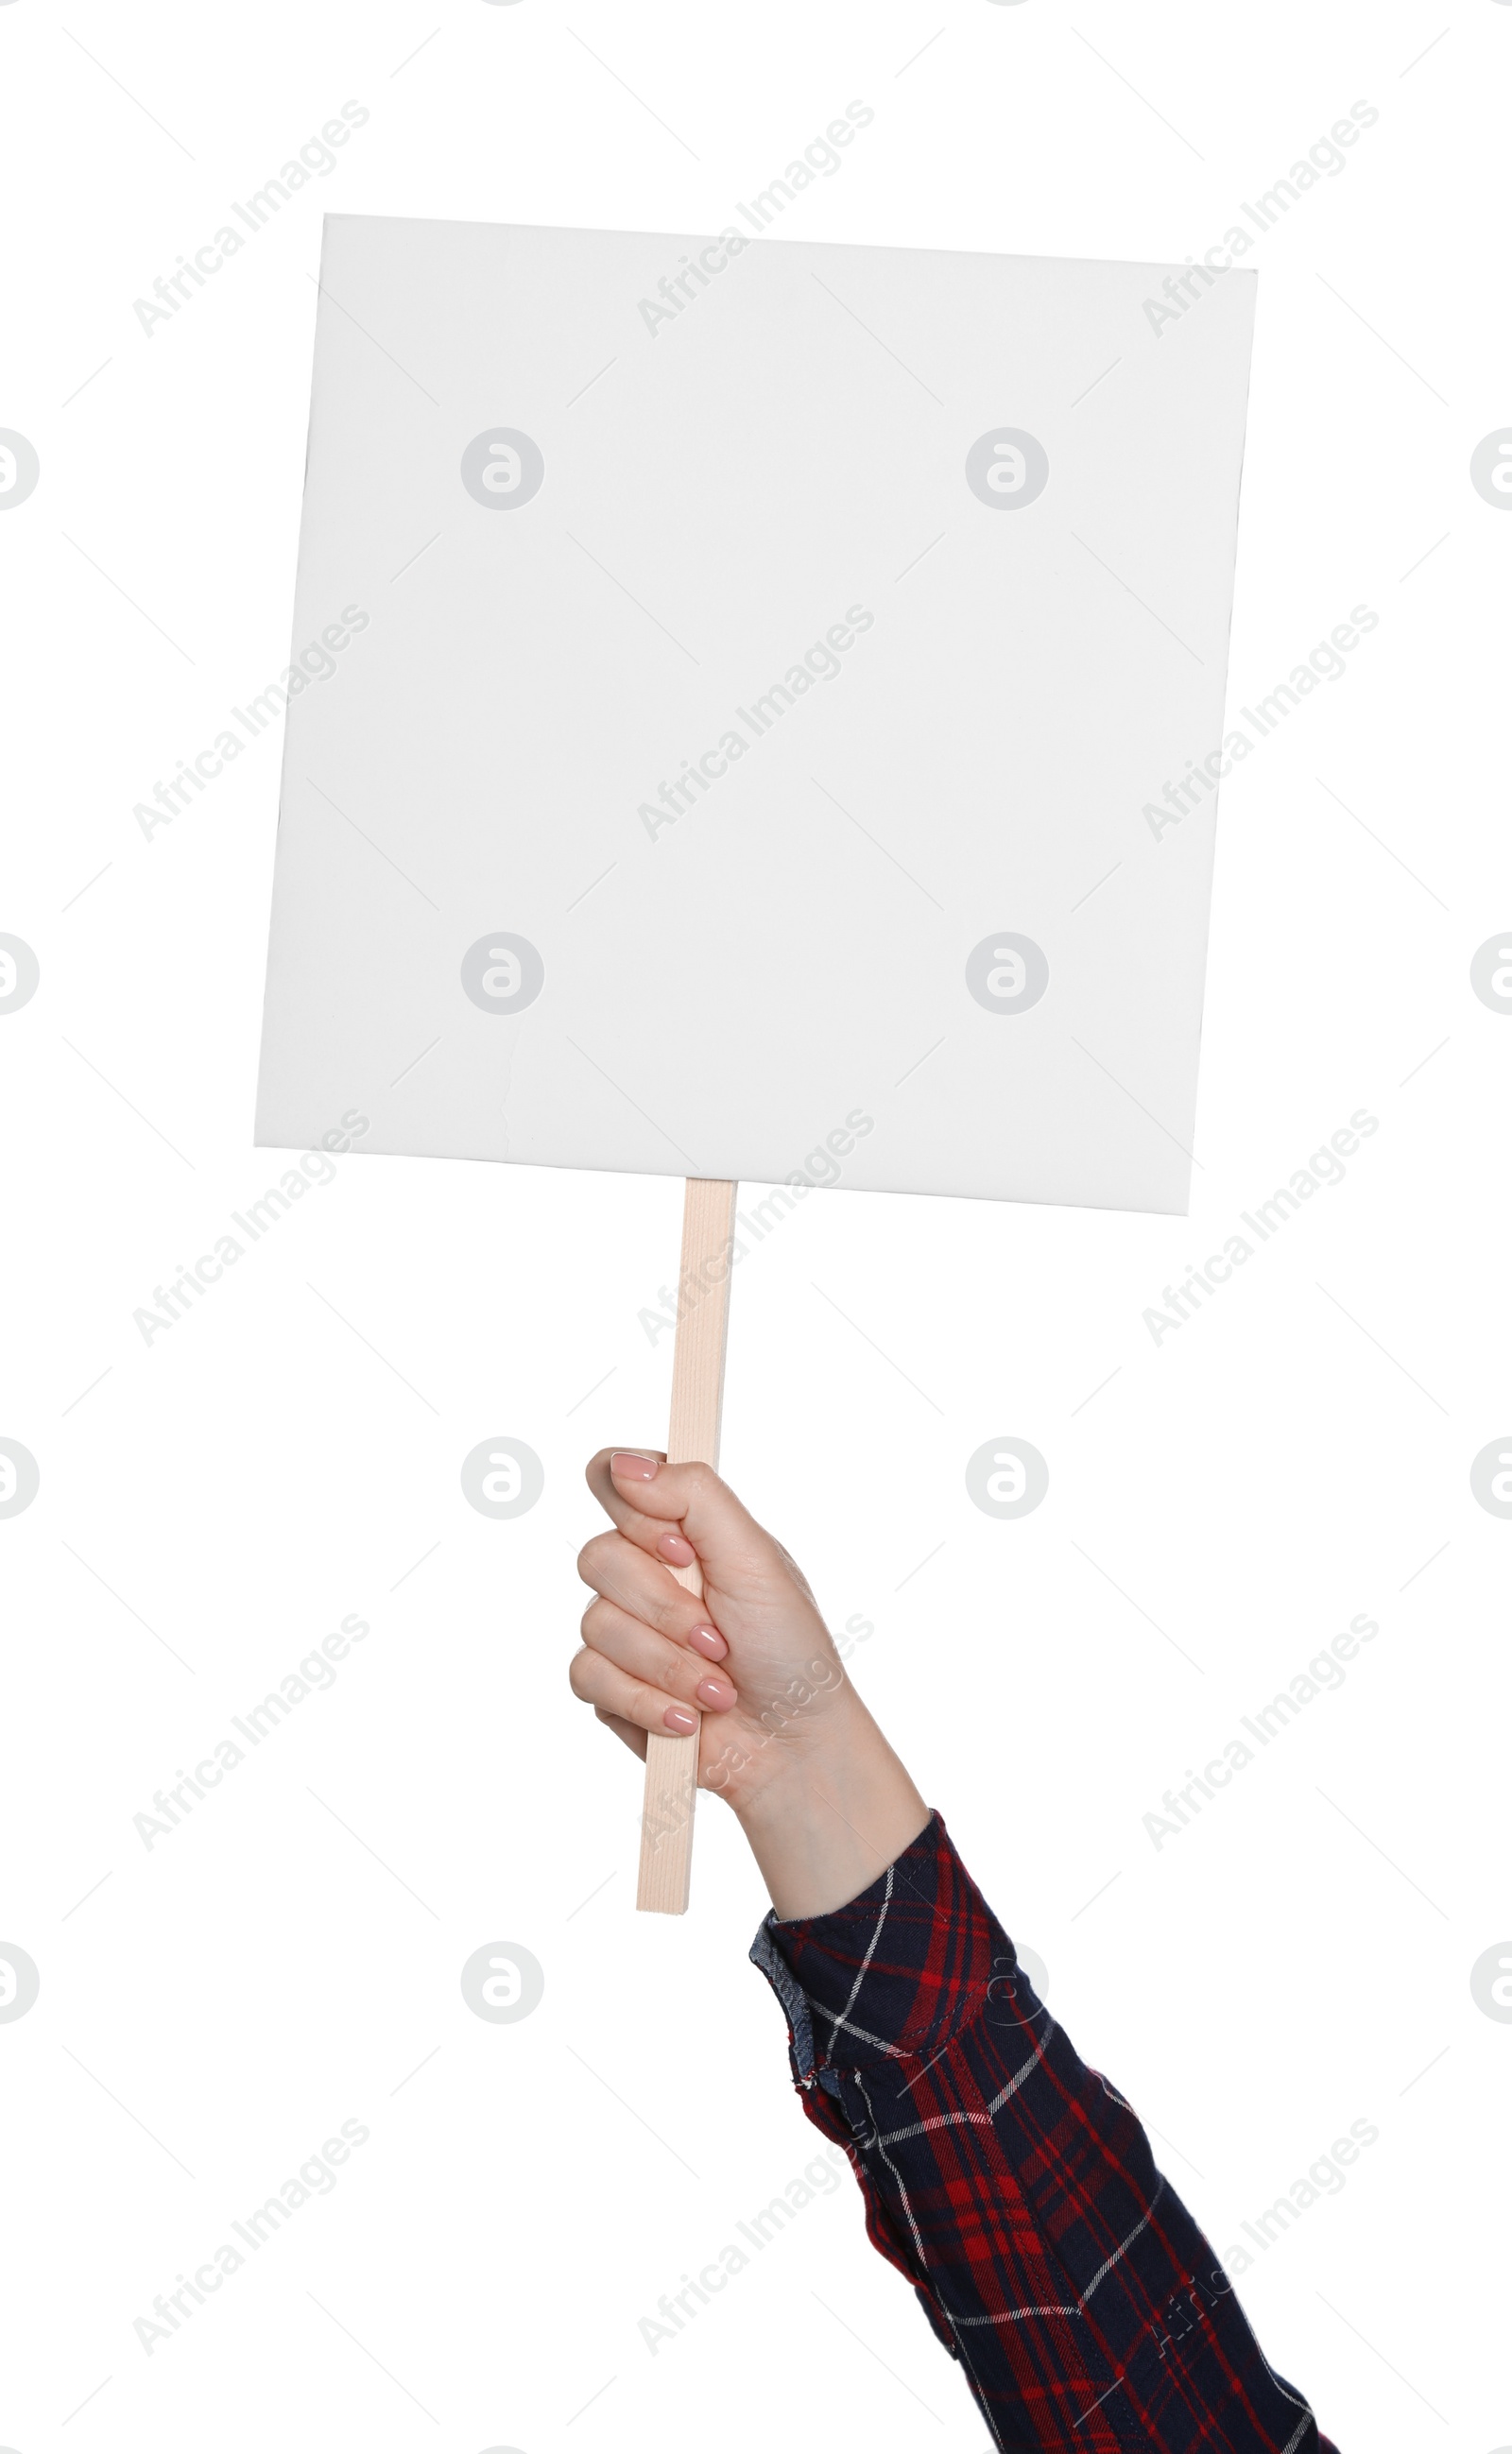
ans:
x=832 y=1812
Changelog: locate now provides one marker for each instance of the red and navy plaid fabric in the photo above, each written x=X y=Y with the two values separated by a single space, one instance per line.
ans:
x=1013 y=2186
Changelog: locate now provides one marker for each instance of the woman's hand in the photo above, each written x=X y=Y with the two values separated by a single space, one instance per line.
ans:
x=751 y=1669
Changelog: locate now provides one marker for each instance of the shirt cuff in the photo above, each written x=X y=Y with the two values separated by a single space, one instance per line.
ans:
x=868 y=1982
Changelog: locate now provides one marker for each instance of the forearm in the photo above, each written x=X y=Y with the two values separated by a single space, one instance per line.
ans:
x=833 y=1818
x=1012 y=2185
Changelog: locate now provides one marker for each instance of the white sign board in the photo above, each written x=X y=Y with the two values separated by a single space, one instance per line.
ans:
x=753 y=697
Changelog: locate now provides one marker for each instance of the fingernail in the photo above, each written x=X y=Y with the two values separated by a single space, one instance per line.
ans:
x=717 y=1693
x=708 y=1642
x=677 y=1548
x=627 y=1467
x=679 y=1719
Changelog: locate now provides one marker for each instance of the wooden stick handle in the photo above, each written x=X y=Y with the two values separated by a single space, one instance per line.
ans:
x=697 y=1387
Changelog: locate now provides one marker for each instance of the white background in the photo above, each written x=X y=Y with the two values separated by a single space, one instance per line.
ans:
x=212 y=1505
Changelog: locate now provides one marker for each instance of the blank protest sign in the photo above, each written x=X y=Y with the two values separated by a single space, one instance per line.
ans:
x=754 y=710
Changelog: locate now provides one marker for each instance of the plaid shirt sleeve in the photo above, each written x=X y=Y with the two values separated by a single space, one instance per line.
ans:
x=1013 y=2186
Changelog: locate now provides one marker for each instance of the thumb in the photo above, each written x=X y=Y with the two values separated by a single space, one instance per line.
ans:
x=650 y=1499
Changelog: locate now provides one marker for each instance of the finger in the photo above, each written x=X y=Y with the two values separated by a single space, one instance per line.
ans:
x=615 y=1568
x=619 y=1496
x=680 y=1513
x=603 y=1684
x=635 y=1739
x=680 y=1675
